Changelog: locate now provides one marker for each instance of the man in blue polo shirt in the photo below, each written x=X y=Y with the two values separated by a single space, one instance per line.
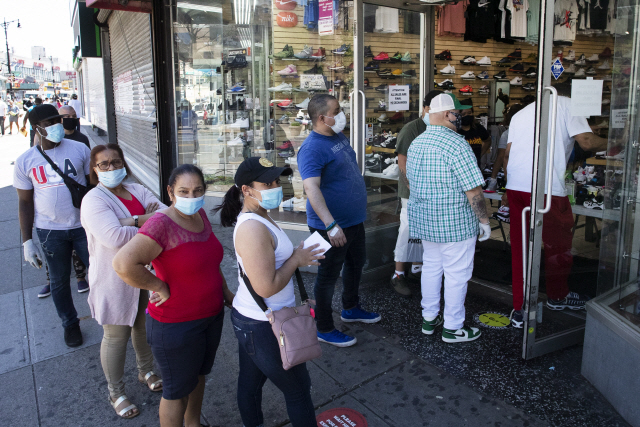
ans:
x=336 y=208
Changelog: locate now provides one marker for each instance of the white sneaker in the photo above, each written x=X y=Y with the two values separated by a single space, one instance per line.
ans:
x=468 y=76
x=236 y=141
x=449 y=69
x=392 y=171
x=345 y=104
x=463 y=334
x=484 y=90
x=304 y=104
x=492 y=185
x=382 y=105
x=605 y=65
x=516 y=81
x=288 y=70
x=593 y=58
x=581 y=73
x=240 y=123
x=571 y=56
x=581 y=61
x=282 y=87
x=471 y=60
x=484 y=61
x=571 y=69
x=383 y=118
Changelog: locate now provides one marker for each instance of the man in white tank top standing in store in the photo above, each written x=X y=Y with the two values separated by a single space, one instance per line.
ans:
x=336 y=208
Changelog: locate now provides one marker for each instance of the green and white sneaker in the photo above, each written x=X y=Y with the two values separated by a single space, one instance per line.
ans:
x=463 y=334
x=429 y=326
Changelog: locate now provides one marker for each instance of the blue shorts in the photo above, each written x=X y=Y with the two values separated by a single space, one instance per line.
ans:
x=183 y=351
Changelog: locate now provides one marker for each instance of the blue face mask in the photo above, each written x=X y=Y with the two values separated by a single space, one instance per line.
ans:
x=189 y=206
x=426 y=120
x=271 y=198
x=55 y=133
x=111 y=179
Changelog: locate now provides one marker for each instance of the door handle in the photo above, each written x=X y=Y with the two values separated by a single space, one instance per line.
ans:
x=524 y=247
x=351 y=120
x=552 y=147
x=364 y=130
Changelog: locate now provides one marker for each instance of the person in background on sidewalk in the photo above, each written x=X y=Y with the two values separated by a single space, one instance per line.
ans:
x=14 y=115
x=186 y=309
x=557 y=235
x=70 y=122
x=32 y=130
x=4 y=108
x=269 y=260
x=45 y=200
x=445 y=207
x=75 y=103
x=407 y=135
x=111 y=215
x=336 y=209
x=492 y=184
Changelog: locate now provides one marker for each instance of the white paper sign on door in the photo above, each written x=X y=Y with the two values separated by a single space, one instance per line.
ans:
x=398 y=98
x=619 y=118
x=586 y=97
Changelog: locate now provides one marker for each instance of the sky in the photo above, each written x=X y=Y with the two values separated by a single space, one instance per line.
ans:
x=43 y=23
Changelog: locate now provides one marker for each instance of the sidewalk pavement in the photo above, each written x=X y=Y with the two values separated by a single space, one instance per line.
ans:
x=45 y=383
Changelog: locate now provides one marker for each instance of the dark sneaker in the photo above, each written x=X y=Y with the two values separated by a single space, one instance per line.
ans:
x=445 y=55
x=73 y=335
x=367 y=52
x=516 y=54
x=45 y=292
x=500 y=76
x=400 y=285
x=357 y=314
x=463 y=334
x=573 y=301
x=531 y=72
x=337 y=338
x=518 y=68
x=83 y=286
x=504 y=62
x=396 y=58
x=429 y=326
x=516 y=319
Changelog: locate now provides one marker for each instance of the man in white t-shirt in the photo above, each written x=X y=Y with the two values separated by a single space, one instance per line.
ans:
x=558 y=223
x=3 y=113
x=45 y=200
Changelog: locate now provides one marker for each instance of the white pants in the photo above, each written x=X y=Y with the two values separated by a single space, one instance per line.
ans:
x=455 y=260
x=400 y=254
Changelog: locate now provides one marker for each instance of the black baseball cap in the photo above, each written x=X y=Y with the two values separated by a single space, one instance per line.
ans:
x=43 y=112
x=259 y=169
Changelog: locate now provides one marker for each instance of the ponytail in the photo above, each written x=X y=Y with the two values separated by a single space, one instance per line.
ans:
x=230 y=207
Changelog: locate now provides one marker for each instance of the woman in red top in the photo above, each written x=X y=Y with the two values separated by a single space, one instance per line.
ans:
x=185 y=316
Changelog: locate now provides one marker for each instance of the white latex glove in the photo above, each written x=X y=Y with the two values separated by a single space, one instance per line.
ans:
x=32 y=254
x=485 y=232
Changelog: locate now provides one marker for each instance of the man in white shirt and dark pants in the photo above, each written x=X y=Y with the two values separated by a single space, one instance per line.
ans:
x=3 y=112
x=557 y=233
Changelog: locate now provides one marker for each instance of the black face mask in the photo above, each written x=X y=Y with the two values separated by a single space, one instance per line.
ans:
x=69 y=123
x=467 y=120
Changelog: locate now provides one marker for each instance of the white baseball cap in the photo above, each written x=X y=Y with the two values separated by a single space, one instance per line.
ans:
x=442 y=102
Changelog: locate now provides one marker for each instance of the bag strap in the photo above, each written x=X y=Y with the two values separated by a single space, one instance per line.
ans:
x=260 y=301
x=53 y=165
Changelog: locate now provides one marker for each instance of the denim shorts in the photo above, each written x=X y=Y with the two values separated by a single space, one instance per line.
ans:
x=183 y=351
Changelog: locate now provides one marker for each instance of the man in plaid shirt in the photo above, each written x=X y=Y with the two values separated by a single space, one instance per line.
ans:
x=447 y=211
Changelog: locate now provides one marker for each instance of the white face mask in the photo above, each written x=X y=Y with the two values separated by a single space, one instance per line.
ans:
x=340 y=122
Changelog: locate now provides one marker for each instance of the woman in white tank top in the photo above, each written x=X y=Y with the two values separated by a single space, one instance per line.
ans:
x=266 y=255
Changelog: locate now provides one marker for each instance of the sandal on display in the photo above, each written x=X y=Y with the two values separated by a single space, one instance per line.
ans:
x=153 y=385
x=122 y=411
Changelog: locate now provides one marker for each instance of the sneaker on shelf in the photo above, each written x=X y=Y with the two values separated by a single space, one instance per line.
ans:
x=469 y=75
x=397 y=72
x=382 y=88
x=516 y=54
x=605 y=65
x=468 y=60
x=397 y=117
x=484 y=90
x=593 y=58
x=516 y=81
x=366 y=83
x=529 y=87
x=357 y=314
x=305 y=53
x=569 y=57
x=466 y=90
x=45 y=291
x=345 y=104
x=531 y=72
x=313 y=70
x=400 y=284
x=304 y=104
x=397 y=57
x=492 y=185
x=582 y=60
x=406 y=57
x=411 y=74
x=484 y=61
x=580 y=73
x=284 y=119
x=338 y=83
x=240 y=123
x=606 y=53
x=83 y=286
x=289 y=70
x=282 y=87
x=483 y=75
x=463 y=334
x=531 y=59
x=285 y=103
x=502 y=214
x=372 y=66
x=504 y=62
x=287 y=145
x=336 y=338
x=238 y=87
x=594 y=203
x=518 y=68
x=382 y=105
x=500 y=76
x=286 y=52
x=341 y=50
x=382 y=56
x=236 y=141
x=320 y=54
x=449 y=69
x=573 y=301
x=393 y=170
x=385 y=72
x=367 y=52
x=383 y=118
x=445 y=55
x=516 y=319
x=429 y=326
x=336 y=66
x=571 y=69
x=606 y=89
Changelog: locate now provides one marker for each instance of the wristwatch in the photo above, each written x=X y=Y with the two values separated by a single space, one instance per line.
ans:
x=135 y=219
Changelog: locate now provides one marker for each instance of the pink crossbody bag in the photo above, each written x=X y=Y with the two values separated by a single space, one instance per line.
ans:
x=294 y=327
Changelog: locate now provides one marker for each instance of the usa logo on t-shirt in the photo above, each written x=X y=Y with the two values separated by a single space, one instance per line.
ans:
x=44 y=174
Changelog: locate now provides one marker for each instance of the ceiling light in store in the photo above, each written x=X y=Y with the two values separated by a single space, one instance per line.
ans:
x=186 y=5
x=243 y=10
x=433 y=1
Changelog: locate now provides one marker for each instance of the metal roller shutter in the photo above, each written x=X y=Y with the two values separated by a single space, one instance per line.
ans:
x=94 y=92
x=134 y=96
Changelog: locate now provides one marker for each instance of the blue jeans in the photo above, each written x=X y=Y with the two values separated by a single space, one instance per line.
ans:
x=57 y=246
x=350 y=259
x=260 y=360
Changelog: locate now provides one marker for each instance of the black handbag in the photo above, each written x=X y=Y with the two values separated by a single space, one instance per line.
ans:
x=77 y=190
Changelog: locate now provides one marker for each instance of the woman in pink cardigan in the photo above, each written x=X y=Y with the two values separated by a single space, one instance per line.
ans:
x=111 y=215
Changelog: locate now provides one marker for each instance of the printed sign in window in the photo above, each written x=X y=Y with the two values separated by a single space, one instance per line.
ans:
x=398 y=98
